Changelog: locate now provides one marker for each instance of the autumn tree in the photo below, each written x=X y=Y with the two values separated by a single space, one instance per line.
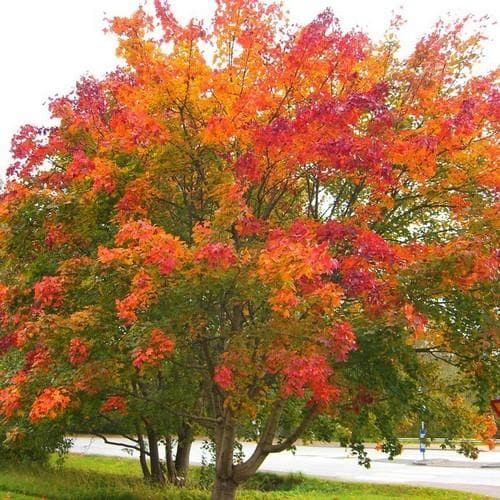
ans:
x=259 y=229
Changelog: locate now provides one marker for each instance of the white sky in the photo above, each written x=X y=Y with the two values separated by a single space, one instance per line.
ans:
x=46 y=45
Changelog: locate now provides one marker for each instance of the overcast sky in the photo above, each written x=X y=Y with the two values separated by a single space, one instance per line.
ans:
x=46 y=45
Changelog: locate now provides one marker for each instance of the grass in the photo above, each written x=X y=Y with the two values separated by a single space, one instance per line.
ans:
x=98 y=478
x=8 y=495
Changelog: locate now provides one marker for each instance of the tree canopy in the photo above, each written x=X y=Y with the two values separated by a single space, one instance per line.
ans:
x=260 y=229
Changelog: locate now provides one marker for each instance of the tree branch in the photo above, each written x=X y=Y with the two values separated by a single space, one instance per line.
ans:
x=116 y=443
x=276 y=448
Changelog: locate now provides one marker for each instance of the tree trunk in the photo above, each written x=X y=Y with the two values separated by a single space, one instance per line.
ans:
x=225 y=434
x=142 y=455
x=171 y=468
x=184 y=442
x=224 y=489
x=182 y=460
x=154 y=457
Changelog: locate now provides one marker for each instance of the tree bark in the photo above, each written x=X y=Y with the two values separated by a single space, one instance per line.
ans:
x=184 y=441
x=142 y=454
x=223 y=489
x=182 y=457
x=225 y=434
x=171 y=469
x=157 y=475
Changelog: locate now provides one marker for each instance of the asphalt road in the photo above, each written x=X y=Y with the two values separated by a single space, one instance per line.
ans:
x=445 y=469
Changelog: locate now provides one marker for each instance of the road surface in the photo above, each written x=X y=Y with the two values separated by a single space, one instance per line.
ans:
x=444 y=468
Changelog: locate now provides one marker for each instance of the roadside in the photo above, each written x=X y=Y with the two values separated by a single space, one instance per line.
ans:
x=84 y=477
x=332 y=462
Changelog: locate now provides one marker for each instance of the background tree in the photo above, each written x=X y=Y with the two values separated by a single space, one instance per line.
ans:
x=302 y=228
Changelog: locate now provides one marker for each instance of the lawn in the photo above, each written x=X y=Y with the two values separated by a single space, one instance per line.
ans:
x=95 y=478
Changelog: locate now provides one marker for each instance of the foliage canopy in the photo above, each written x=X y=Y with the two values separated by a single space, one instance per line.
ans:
x=295 y=234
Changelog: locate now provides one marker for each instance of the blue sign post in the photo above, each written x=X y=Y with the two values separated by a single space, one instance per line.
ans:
x=422 y=435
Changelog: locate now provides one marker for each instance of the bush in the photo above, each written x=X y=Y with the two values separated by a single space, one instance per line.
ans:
x=28 y=445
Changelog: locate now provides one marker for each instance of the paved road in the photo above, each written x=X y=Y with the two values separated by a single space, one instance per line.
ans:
x=446 y=469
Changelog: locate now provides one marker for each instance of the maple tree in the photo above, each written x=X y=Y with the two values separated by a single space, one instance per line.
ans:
x=297 y=231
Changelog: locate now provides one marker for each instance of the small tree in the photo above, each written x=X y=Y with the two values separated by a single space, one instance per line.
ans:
x=301 y=228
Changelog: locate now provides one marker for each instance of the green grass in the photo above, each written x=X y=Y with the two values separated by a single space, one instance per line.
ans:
x=8 y=495
x=98 y=478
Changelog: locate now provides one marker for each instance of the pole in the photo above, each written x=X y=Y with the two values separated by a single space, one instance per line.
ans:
x=422 y=435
